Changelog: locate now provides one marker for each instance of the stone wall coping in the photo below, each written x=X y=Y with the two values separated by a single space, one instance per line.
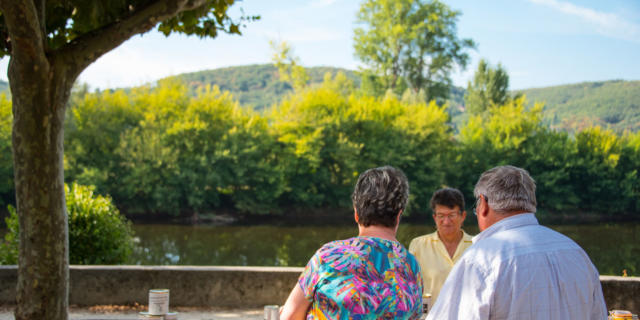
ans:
x=235 y=268
x=619 y=278
x=175 y=268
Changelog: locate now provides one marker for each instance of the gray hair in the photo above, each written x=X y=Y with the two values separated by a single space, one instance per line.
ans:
x=508 y=189
x=380 y=195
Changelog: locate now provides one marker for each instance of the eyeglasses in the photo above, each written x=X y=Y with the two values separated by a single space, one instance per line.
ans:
x=476 y=204
x=442 y=216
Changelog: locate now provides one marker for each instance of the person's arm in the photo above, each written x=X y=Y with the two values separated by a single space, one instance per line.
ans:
x=465 y=294
x=296 y=306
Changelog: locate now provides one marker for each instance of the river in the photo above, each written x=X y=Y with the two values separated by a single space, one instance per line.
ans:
x=612 y=247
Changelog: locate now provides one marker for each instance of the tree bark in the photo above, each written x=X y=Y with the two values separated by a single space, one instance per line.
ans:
x=43 y=273
x=39 y=96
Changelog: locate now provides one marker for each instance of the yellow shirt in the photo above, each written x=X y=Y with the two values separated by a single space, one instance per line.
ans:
x=434 y=260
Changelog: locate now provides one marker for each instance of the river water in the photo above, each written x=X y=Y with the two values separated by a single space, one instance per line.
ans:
x=612 y=247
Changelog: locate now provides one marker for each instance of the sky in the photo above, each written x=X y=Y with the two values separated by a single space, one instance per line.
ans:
x=539 y=42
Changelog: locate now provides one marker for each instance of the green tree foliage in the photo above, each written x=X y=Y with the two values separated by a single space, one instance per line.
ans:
x=94 y=125
x=163 y=149
x=595 y=171
x=9 y=246
x=601 y=178
x=490 y=87
x=98 y=233
x=331 y=137
x=412 y=42
x=7 y=190
x=171 y=152
x=289 y=68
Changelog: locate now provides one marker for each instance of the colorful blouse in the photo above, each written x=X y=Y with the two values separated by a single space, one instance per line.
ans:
x=362 y=278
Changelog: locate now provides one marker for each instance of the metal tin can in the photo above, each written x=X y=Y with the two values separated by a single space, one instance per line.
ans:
x=271 y=312
x=147 y=316
x=158 y=301
x=620 y=315
x=426 y=303
x=171 y=316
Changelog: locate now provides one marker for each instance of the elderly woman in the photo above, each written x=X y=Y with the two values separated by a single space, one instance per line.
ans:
x=371 y=276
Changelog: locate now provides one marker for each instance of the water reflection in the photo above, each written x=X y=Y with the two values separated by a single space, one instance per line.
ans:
x=612 y=247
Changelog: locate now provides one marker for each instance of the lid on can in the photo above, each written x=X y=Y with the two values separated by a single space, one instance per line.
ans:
x=621 y=314
x=159 y=291
x=147 y=316
x=171 y=316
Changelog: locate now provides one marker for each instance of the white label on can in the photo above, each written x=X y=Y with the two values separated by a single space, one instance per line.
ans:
x=271 y=312
x=159 y=302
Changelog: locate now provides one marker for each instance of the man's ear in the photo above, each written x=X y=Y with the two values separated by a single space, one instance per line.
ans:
x=355 y=214
x=485 y=207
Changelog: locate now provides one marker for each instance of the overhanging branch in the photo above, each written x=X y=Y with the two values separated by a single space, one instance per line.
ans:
x=23 y=25
x=84 y=50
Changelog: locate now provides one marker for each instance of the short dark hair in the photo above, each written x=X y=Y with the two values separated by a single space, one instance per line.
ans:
x=380 y=195
x=449 y=197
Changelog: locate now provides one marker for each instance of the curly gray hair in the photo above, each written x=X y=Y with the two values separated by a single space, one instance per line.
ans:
x=380 y=195
x=508 y=189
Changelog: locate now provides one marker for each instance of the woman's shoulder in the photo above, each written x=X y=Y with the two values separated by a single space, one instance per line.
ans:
x=364 y=246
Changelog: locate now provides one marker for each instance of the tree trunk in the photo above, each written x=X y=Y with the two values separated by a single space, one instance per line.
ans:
x=39 y=99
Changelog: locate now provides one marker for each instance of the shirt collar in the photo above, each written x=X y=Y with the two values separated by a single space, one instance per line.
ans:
x=515 y=221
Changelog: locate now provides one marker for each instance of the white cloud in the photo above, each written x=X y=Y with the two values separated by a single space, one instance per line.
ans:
x=607 y=24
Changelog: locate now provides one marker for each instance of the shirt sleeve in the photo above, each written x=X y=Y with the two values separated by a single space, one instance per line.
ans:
x=466 y=294
x=310 y=277
x=599 y=308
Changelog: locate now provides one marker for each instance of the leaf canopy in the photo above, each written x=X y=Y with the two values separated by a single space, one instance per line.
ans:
x=67 y=20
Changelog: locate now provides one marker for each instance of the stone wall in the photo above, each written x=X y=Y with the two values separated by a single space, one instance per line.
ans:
x=234 y=287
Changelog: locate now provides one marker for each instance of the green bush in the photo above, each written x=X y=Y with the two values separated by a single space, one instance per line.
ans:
x=9 y=247
x=98 y=234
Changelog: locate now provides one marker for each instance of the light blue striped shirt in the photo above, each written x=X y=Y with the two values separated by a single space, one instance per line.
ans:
x=518 y=269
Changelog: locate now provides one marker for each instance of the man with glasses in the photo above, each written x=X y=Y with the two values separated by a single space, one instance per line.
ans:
x=516 y=268
x=437 y=252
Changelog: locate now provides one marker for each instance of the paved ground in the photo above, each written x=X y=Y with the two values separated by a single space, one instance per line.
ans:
x=131 y=313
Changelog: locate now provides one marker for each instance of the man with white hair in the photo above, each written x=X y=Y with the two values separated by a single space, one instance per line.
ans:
x=516 y=268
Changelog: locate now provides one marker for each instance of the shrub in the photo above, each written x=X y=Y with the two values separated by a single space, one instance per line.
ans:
x=98 y=234
x=9 y=247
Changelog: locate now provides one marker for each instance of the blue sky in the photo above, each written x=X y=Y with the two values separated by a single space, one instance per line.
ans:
x=539 y=42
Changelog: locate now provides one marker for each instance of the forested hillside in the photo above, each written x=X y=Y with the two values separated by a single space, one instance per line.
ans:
x=610 y=104
x=256 y=86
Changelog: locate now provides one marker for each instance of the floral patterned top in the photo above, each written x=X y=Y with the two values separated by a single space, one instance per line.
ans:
x=362 y=278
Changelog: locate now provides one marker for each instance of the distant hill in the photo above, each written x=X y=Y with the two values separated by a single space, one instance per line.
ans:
x=610 y=104
x=256 y=86
x=4 y=88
